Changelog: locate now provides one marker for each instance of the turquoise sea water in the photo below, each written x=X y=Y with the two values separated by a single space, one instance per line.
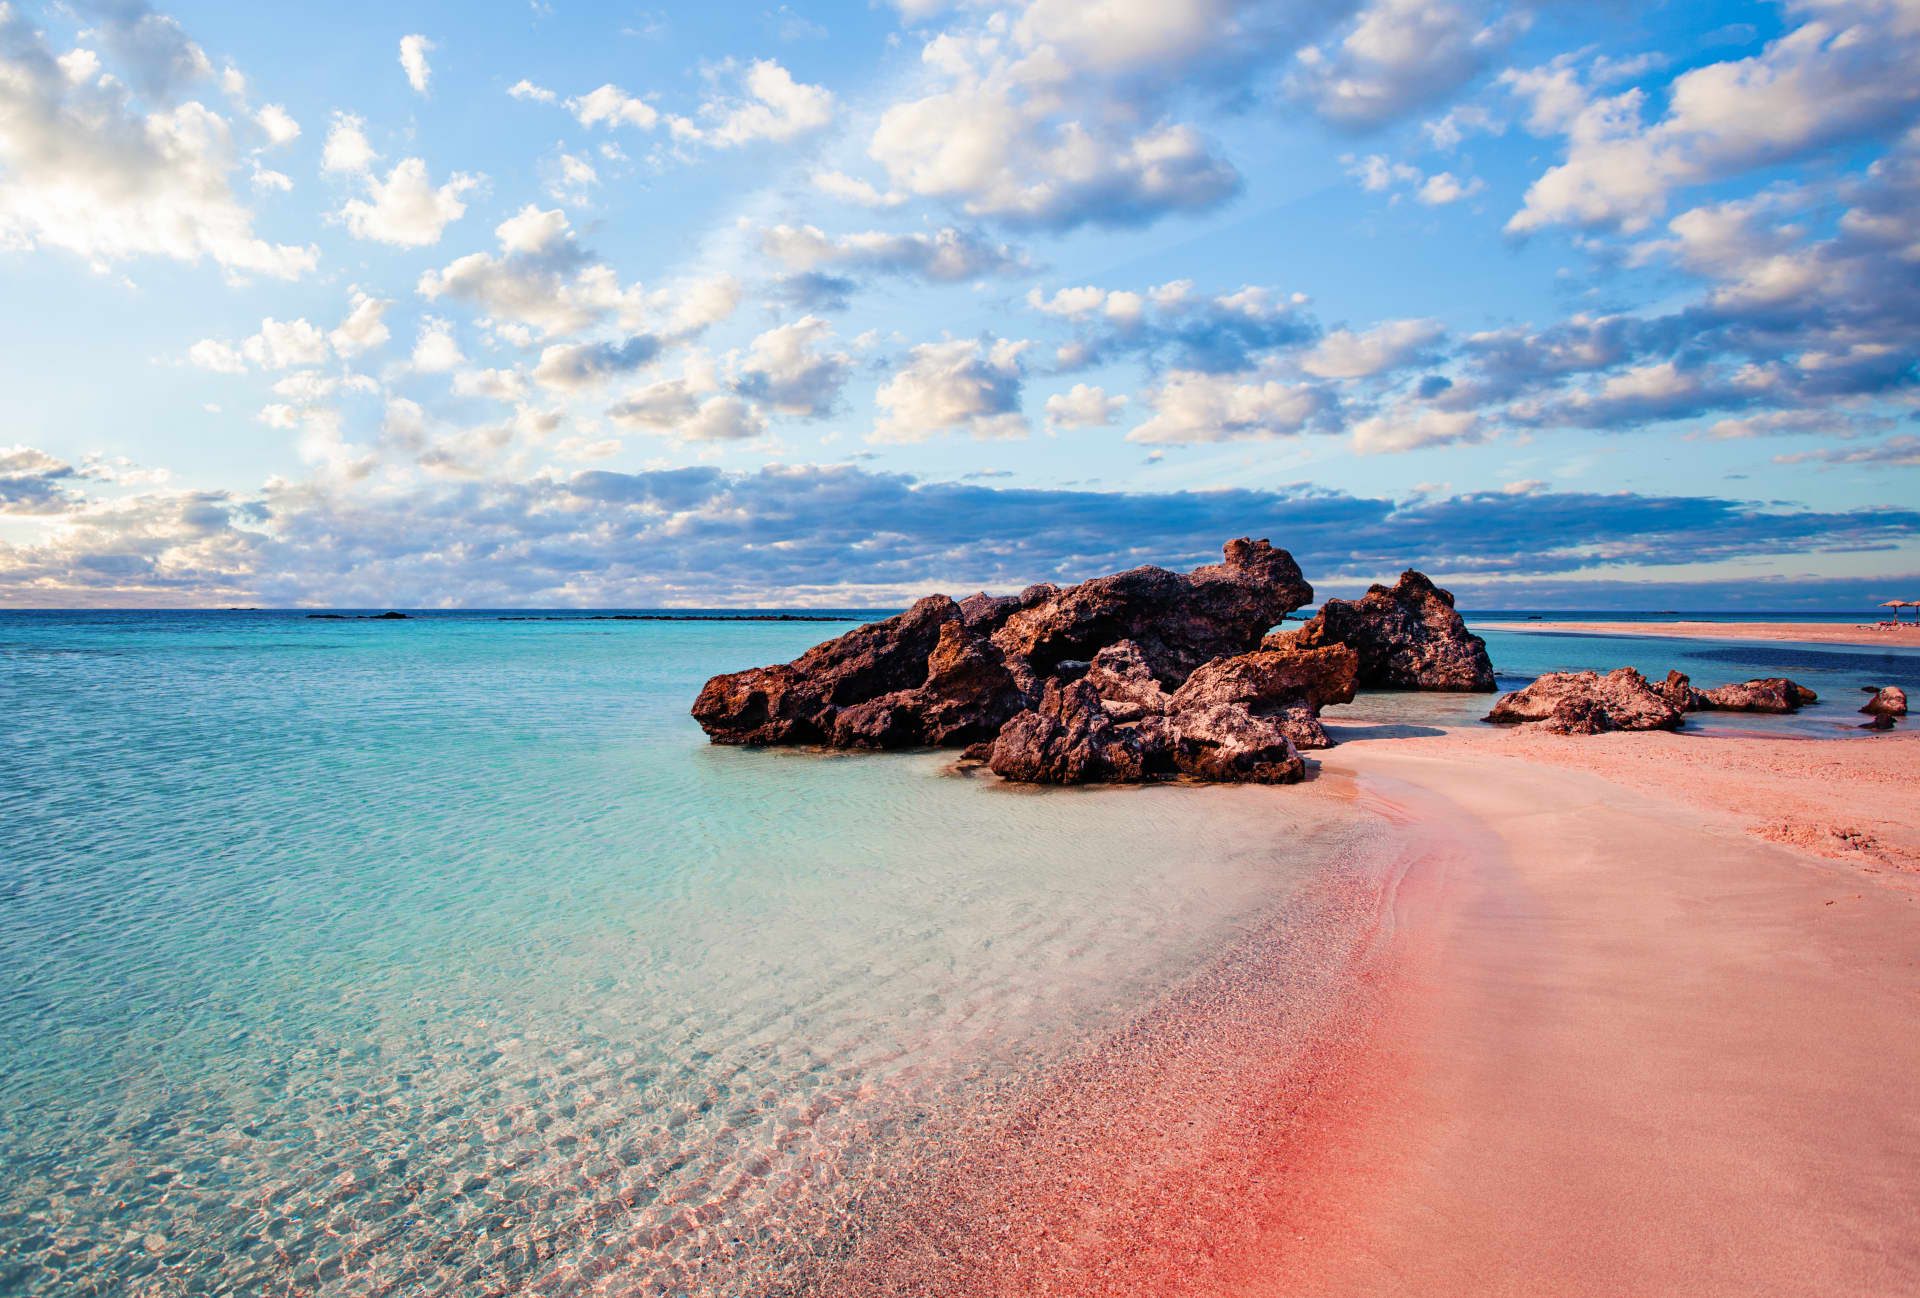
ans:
x=444 y=956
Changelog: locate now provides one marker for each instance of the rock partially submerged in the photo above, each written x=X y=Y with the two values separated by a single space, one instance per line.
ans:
x=1587 y=703
x=1408 y=637
x=1120 y=678
x=1772 y=694
x=1887 y=701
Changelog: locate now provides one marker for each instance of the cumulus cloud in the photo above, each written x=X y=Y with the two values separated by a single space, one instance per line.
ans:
x=771 y=106
x=959 y=386
x=406 y=209
x=1399 y=56
x=86 y=169
x=575 y=367
x=1213 y=333
x=607 y=106
x=435 y=351
x=278 y=124
x=524 y=89
x=541 y=278
x=1191 y=406
x=1410 y=428
x=850 y=189
x=1083 y=406
x=945 y=256
x=364 y=328
x=284 y=344
x=1845 y=73
x=347 y=149
x=1344 y=354
x=413 y=61
x=790 y=369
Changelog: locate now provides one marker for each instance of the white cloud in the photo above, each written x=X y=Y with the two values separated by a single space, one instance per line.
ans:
x=788 y=368
x=82 y=169
x=413 y=61
x=1846 y=73
x=1343 y=354
x=1406 y=429
x=570 y=178
x=221 y=358
x=612 y=106
x=524 y=89
x=278 y=124
x=722 y=419
x=1444 y=187
x=364 y=328
x=947 y=256
x=346 y=149
x=850 y=189
x=435 y=351
x=406 y=209
x=542 y=279
x=284 y=344
x=1192 y=407
x=774 y=107
x=953 y=386
x=1398 y=56
x=1083 y=406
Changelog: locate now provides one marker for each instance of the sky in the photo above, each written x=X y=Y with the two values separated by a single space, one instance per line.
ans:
x=554 y=304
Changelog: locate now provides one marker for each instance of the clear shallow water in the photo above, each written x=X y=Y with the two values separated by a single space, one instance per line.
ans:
x=444 y=956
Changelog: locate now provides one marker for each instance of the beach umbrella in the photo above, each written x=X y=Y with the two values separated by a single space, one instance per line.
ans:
x=1897 y=604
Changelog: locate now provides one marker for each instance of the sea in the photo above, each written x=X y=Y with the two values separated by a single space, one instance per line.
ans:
x=444 y=956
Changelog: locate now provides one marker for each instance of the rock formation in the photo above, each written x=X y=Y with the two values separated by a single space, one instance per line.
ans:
x=1587 y=703
x=1408 y=637
x=1773 y=694
x=1887 y=701
x=1135 y=676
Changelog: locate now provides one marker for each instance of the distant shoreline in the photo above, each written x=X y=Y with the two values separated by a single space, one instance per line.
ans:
x=1908 y=637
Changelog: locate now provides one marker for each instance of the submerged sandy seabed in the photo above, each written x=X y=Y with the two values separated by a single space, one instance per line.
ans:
x=1865 y=633
x=1630 y=1015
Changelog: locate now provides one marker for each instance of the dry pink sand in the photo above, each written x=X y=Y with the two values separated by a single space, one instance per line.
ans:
x=1637 y=1049
x=1866 y=633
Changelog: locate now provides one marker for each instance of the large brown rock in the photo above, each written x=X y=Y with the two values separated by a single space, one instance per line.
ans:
x=1587 y=703
x=1227 y=742
x=947 y=673
x=1288 y=686
x=1772 y=694
x=1407 y=635
x=1069 y=739
x=1177 y=622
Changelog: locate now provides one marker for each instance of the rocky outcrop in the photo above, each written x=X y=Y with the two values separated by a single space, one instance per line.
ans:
x=1407 y=636
x=1587 y=703
x=1772 y=694
x=1887 y=701
x=1286 y=687
x=1066 y=677
x=1177 y=622
x=1678 y=690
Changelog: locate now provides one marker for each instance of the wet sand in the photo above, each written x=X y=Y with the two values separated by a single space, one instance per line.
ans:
x=1866 y=633
x=1634 y=1048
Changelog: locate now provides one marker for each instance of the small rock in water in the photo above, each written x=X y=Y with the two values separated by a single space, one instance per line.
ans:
x=1587 y=703
x=1888 y=701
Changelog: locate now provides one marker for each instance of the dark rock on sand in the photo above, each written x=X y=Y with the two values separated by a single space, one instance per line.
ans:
x=1407 y=636
x=1772 y=694
x=1286 y=687
x=1887 y=701
x=1587 y=703
x=952 y=674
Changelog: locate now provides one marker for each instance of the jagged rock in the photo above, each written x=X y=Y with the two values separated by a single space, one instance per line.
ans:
x=1127 y=687
x=1288 y=686
x=949 y=673
x=1229 y=743
x=1887 y=701
x=800 y=702
x=1678 y=690
x=1773 y=694
x=1068 y=739
x=1177 y=622
x=1587 y=703
x=1408 y=637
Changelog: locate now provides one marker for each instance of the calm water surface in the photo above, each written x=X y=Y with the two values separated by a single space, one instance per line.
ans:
x=444 y=956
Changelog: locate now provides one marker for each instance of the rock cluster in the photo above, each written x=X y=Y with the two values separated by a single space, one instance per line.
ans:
x=1128 y=677
x=1142 y=675
x=1887 y=701
x=1587 y=703
x=1407 y=635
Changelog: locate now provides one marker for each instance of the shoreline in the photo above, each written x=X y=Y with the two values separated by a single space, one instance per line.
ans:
x=1907 y=637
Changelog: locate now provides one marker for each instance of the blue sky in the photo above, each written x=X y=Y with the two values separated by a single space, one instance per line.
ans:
x=553 y=304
